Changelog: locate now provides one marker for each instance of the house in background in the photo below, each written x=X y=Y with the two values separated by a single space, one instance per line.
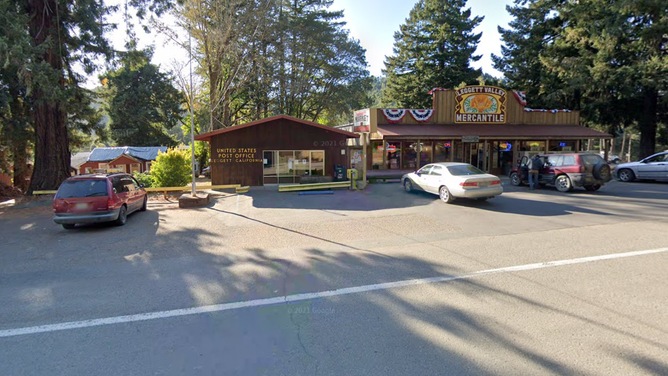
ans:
x=77 y=160
x=125 y=158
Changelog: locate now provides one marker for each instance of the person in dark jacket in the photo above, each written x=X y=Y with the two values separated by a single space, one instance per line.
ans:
x=535 y=165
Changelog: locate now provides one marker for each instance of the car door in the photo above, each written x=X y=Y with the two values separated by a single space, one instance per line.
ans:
x=131 y=193
x=435 y=179
x=654 y=167
x=422 y=178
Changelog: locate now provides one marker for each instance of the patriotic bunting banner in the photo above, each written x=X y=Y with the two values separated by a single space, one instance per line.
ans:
x=421 y=115
x=521 y=97
x=437 y=89
x=527 y=109
x=393 y=115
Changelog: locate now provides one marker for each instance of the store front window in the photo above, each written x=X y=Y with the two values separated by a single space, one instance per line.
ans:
x=442 y=151
x=425 y=153
x=409 y=155
x=288 y=166
x=566 y=146
x=393 y=158
x=377 y=151
x=538 y=146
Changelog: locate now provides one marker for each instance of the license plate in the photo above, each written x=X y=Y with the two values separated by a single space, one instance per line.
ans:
x=81 y=206
x=483 y=184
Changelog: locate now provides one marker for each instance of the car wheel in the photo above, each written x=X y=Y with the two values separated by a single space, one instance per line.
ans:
x=602 y=171
x=626 y=175
x=593 y=187
x=445 y=195
x=515 y=179
x=143 y=207
x=408 y=185
x=68 y=226
x=563 y=183
x=122 y=216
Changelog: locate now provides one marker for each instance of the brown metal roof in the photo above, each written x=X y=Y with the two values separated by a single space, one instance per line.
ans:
x=207 y=136
x=546 y=131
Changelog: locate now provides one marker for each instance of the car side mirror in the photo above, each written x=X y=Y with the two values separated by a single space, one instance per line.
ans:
x=418 y=173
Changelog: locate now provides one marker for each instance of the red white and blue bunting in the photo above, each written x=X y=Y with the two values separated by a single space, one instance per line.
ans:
x=527 y=109
x=421 y=115
x=521 y=97
x=394 y=115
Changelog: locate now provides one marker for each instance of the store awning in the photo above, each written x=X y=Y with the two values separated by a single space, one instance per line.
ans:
x=514 y=131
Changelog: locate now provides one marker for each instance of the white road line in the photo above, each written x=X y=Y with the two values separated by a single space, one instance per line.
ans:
x=308 y=296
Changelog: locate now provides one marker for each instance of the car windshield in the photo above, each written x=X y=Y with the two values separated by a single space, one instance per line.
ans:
x=459 y=170
x=82 y=188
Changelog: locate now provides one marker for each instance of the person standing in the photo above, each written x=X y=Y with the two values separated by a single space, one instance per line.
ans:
x=535 y=166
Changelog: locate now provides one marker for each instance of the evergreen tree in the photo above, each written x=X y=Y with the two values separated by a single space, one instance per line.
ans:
x=142 y=102
x=433 y=48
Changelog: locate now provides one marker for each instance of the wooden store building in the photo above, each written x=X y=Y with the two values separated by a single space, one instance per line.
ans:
x=276 y=150
x=485 y=126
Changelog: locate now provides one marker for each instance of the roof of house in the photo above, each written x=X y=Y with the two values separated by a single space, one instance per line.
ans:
x=147 y=153
x=79 y=158
x=207 y=136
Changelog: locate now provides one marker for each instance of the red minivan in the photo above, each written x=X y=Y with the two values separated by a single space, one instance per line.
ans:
x=98 y=198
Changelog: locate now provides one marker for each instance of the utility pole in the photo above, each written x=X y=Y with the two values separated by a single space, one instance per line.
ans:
x=192 y=117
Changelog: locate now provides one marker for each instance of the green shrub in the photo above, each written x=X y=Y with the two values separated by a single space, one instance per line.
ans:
x=144 y=178
x=171 y=169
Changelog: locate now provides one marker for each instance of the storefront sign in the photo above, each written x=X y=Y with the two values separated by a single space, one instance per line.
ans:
x=470 y=138
x=480 y=104
x=362 y=121
x=236 y=155
x=505 y=146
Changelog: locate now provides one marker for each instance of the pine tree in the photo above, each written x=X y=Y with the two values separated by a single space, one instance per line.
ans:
x=142 y=102
x=434 y=48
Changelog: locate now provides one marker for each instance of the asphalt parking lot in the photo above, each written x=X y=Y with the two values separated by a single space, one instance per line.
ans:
x=204 y=279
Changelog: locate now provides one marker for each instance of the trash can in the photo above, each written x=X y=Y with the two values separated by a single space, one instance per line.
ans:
x=339 y=172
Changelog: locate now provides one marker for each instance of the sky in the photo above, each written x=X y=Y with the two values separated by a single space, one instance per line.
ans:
x=372 y=22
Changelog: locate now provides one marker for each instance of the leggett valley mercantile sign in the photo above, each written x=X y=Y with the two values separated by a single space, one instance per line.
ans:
x=480 y=104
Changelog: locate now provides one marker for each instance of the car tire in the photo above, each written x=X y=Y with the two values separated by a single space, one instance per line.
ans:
x=68 y=226
x=602 y=171
x=445 y=195
x=515 y=179
x=593 y=187
x=122 y=216
x=144 y=205
x=563 y=183
x=626 y=175
x=408 y=185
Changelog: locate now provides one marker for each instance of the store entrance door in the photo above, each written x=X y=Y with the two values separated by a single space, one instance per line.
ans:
x=477 y=154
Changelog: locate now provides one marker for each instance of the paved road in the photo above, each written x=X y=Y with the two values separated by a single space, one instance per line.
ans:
x=488 y=301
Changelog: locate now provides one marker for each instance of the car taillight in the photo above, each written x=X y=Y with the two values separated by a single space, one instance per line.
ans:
x=468 y=184
x=110 y=204
x=495 y=182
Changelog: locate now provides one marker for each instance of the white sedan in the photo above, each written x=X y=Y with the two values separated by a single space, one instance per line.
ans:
x=453 y=180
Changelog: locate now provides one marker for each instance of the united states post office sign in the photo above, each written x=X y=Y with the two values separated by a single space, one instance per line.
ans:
x=480 y=104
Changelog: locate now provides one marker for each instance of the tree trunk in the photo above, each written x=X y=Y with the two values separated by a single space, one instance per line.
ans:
x=647 y=123
x=20 y=161
x=52 y=154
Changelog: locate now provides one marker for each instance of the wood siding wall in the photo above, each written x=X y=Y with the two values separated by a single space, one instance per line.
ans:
x=444 y=112
x=281 y=134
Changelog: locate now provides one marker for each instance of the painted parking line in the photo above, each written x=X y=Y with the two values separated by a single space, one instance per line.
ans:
x=310 y=296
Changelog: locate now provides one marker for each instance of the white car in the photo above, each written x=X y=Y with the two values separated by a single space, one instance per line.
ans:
x=451 y=180
x=654 y=167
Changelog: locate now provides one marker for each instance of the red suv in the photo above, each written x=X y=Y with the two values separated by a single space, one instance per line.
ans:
x=566 y=171
x=98 y=198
